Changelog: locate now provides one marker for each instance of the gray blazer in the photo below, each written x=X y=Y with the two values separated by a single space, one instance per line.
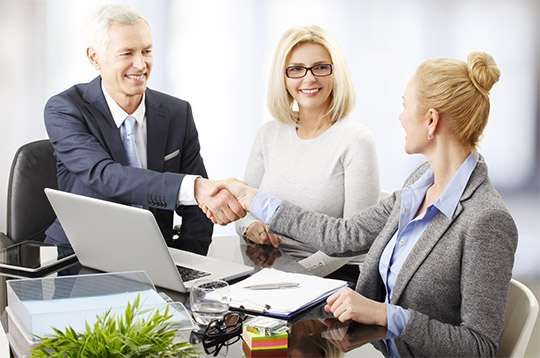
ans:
x=454 y=281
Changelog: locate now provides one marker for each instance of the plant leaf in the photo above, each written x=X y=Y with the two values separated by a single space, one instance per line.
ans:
x=130 y=335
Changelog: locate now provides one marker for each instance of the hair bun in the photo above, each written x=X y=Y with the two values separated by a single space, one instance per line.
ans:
x=483 y=71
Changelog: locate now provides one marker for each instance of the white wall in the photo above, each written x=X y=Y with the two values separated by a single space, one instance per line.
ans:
x=216 y=54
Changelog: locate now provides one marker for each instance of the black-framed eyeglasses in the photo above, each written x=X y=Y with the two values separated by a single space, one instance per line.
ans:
x=222 y=332
x=321 y=70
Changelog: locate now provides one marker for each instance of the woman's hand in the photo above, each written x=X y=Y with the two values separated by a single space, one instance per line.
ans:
x=347 y=305
x=258 y=233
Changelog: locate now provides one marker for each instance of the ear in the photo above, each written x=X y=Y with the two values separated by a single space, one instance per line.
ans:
x=93 y=57
x=432 y=120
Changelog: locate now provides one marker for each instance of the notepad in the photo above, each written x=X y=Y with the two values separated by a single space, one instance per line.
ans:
x=282 y=302
x=269 y=353
x=257 y=342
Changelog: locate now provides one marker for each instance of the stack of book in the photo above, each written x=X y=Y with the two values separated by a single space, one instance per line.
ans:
x=35 y=306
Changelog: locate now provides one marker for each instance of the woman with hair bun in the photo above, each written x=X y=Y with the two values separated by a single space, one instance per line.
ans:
x=441 y=248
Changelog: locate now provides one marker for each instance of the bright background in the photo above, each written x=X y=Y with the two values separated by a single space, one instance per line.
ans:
x=216 y=54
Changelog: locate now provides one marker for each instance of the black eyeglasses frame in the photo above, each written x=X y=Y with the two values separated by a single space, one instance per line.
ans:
x=310 y=69
x=218 y=333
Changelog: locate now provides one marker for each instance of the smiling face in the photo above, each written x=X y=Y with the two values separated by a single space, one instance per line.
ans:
x=310 y=92
x=413 y=122
x=126 y=63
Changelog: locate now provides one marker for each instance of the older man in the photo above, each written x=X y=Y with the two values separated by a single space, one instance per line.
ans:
x=116 y=139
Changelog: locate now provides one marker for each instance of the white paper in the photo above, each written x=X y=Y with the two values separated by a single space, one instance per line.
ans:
x=282 y=301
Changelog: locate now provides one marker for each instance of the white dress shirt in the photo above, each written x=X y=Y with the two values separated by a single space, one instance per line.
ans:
x=186 y=194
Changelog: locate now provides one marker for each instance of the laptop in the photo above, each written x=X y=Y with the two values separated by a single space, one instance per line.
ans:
x=114 y=237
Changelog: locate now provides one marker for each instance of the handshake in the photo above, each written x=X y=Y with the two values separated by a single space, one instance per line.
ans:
x=224 y=201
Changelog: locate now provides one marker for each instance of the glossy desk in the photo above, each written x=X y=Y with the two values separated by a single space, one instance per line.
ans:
x=313 y=334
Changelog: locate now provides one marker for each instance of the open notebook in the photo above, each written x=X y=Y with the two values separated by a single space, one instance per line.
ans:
x=282 y=302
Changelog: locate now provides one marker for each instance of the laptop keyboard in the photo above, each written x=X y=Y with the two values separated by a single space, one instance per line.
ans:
x=188 y=273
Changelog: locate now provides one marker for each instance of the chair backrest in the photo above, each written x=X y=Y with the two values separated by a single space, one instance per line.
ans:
x=29 y=213
x=519 y=318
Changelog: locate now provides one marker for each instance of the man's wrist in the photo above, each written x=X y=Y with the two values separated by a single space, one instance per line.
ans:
x=187 y=192
x=198 y=185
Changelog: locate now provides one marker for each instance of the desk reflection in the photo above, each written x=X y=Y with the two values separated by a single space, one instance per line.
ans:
x=306 y=339
x=263 y=256
x=351 y=335
x=309 y=338
x=314 y=334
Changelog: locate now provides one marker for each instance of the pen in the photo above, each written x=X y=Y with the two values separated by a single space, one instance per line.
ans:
x=273 y=286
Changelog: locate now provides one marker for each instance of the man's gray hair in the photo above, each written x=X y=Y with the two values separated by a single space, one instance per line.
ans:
x=97 y=29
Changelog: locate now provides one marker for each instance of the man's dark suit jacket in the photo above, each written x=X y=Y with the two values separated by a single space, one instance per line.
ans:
x=91 y=159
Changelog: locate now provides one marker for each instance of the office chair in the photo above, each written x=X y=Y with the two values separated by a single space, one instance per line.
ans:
x=519 y=318
x=29 y=213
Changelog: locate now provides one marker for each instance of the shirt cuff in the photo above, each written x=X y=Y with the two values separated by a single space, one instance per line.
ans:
x=186 y=195
x=397 y=318
x=264 y=206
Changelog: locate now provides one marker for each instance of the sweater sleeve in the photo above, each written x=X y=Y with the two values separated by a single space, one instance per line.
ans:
x=350 y=237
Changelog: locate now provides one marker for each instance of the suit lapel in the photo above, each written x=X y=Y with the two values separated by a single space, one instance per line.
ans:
x=105 y=122
x=432 y=234
x=157 y=125
x=370 y=283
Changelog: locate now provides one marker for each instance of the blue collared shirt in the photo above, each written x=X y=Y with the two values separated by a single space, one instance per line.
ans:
x=410 y=228
x=264 y=206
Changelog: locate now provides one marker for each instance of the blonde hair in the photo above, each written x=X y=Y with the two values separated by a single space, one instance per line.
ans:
x=280 y=102
x=460 y=92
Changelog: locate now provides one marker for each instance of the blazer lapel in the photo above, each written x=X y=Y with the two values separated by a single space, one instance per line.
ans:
x=157 y=125
x=420 y=251
x=369 y=282
x=104 y=120
x=433 y=232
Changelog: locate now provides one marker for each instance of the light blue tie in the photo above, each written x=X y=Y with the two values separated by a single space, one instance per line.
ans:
x=129 y=143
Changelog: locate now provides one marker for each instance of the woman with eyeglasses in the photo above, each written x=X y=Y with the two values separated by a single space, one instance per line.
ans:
x=314 y=155
x=441 y=249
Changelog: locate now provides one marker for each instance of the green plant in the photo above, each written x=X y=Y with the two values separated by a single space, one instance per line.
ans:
x=119 y=337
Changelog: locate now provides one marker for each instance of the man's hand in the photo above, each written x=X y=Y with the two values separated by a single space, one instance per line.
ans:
x=220 y=203
x=244 y=195
x=258 y=233
x=347 y=305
